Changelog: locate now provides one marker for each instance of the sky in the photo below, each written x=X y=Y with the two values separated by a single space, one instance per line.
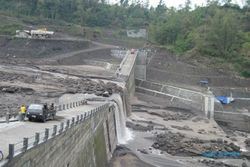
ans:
x=176 y=3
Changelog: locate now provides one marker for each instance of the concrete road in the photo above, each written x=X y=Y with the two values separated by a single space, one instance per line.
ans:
x=15 y=132
x=128 y=63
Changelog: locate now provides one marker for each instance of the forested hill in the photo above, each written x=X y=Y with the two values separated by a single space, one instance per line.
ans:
x=220 y=29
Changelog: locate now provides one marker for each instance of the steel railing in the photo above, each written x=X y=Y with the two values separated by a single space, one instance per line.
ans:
x=12 y=117
x=49 y=133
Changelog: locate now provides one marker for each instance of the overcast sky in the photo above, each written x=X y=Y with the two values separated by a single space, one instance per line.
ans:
x=176 y=3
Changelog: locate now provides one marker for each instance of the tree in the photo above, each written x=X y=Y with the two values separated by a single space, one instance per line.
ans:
x=222 y=36
x=187 y=5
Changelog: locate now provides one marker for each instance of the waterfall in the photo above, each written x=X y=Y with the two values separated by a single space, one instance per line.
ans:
x=123 y=133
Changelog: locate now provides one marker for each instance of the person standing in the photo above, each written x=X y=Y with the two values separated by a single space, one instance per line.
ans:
x=22 y=112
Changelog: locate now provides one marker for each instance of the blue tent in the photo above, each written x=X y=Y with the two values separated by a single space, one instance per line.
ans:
x=223 y=99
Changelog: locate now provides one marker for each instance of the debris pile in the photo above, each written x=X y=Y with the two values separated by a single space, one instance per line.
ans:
x=139 y=127
x=215 y=164
x=180 y=145
x=247 y=142
x=185 y=127
x=172 y=115
x=11 y=77
x=98 y=88
x=15 y=89
x=177 y=116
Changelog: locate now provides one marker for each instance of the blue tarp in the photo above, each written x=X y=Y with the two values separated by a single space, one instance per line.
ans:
x=223 y=99
x=220 y=154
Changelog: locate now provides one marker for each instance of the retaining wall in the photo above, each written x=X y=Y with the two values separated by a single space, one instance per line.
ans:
x=189 y=99
x=233 y=120
x=86 y=142
x=141 y=65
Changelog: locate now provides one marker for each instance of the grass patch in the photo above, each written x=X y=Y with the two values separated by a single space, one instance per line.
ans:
x=9 y=29
x=245 y=74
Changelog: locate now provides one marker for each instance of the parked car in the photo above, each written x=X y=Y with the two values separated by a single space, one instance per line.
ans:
x=41 y=112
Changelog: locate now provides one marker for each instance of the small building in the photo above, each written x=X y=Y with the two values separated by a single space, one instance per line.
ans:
x=39 y=33
x=141 y=33
x=23 y=34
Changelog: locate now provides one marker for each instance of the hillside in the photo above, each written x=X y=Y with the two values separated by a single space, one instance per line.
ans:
x=219 y=31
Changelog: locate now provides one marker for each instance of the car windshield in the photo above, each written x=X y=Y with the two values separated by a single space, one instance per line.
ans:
x=35 y=108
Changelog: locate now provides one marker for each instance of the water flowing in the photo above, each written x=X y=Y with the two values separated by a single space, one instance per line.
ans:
x=123 y=133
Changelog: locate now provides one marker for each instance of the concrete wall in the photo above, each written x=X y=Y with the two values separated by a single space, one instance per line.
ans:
x=87 y=144
x=127 y=74
x=193 y=79
x=129 y=92
x=200 y=102
x=233 y=120
x=130 y=83
x=190 y=99
x=141 y=65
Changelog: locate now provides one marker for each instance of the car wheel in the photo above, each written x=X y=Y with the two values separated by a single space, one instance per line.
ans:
x=44 y=119
x=53 y=116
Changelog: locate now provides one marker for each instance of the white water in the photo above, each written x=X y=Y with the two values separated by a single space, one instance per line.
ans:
x=123 y=133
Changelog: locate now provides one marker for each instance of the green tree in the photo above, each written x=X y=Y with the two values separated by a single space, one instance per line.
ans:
x=221 y=38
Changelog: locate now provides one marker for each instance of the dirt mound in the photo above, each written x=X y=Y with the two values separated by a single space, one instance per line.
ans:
x=167 y=67
x=83 y=58
x=36 y=48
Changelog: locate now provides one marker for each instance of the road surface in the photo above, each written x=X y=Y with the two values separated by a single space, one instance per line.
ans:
x=14 y=132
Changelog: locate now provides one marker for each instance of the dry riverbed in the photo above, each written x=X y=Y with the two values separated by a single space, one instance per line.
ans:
x=177 y=138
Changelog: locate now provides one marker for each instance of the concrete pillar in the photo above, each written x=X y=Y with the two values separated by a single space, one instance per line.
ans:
x=61 y=127
x=77 y=119
x=73 y=122
x=67 y=124
x=11 y=151
x=25 y=144
x=206 y=105
x=37 y=139
x=46 y=135
x=54 y=130
x=7 y=117
x=212 y=99
x=209 y=104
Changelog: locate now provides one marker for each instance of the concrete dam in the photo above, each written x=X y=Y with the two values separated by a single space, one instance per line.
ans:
x=87 y=137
